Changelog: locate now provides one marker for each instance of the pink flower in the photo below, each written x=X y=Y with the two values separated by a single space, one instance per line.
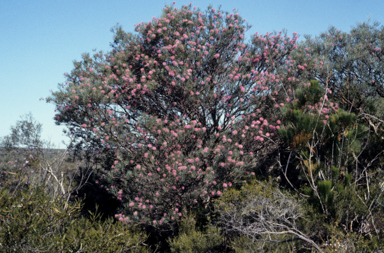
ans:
x=217 y=55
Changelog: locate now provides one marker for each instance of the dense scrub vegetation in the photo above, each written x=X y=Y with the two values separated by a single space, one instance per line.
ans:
x=186 y=138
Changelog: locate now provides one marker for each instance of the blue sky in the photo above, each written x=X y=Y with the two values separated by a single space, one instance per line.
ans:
x=40 y=39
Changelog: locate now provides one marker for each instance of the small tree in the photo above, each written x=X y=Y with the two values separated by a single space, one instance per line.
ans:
x=29 y=160
x=350 y=64
x=20 y=147
x=25 y=134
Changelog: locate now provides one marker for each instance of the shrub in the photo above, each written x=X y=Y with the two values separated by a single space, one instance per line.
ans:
x=183 y=107
x=30 y=221
x=190 y=239
x=260 y=216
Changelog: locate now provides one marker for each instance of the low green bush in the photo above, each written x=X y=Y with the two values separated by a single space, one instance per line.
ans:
x=31 y=221
x=190 y=239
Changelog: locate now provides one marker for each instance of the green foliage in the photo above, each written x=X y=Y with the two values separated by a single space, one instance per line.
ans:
x=30 y=221
x=246 y=192
x=190 y=239
x=312 y=94
x=335 y=171
x=324 y=188
x=244 y=244
x=12 y=172
x=304 y=118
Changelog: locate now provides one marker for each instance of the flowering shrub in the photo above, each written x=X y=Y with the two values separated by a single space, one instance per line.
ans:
x=185 y=107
